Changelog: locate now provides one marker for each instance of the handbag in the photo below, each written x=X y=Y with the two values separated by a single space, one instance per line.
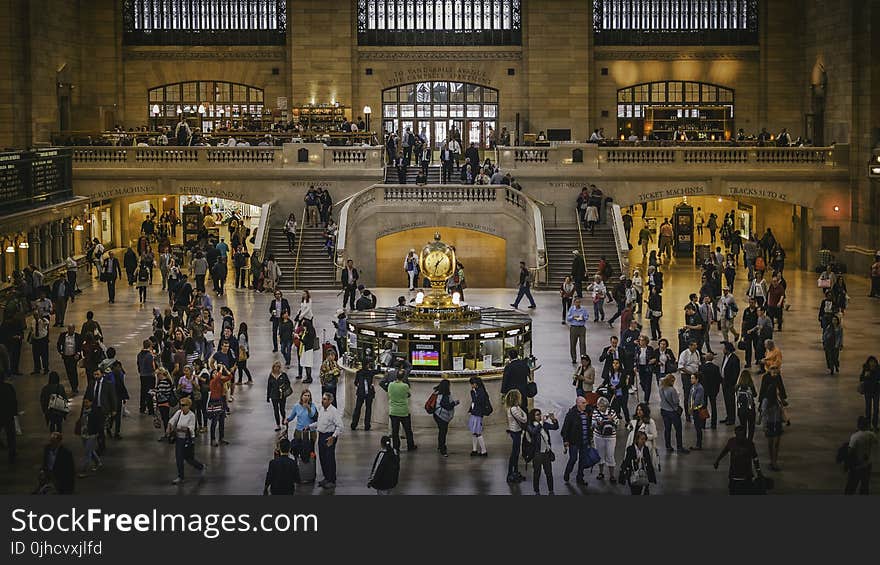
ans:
x=59 y=403
x=284 y=389
x=531 y=389
x=592 y=457
x=824 y=283
x=703 y=413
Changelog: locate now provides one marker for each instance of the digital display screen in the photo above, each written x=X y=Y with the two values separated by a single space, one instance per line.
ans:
x=425 y=355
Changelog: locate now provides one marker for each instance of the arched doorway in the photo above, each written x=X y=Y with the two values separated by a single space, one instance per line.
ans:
x=435 y=107
x=656 y=110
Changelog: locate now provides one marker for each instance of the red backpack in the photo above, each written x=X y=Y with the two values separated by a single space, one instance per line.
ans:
x=431 y=403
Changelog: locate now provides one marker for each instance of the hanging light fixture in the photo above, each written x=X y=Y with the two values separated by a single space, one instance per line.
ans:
x=24 y=245
x=11 y=247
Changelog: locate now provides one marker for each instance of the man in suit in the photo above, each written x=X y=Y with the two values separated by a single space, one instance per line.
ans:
x=60 y=295
x=69 y=346
x=283 y=473
x=110 y=272
x=730 y=368
x=472 y=156
x=350 y=278
x=364 y=392
x=516 y=376
x=578 y=273
x=58 y=467
x=707 y=313
x=655 y=278
x=102 y=394
x=711 y=384
x=446 y=160
x=277 y=307
x=610 y=353
x=642 y=357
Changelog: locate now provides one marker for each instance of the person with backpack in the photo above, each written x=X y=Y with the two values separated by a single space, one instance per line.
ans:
x=538 y=433
x=386 y=467
x=605 y=437
x=480 y=408
x=142 y=281
x=283 y=472
x=441 y=406
x=525 y=283
x=743 y=463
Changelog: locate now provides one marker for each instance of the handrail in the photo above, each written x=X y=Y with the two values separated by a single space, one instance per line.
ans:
x=540 y=239
x=620 y=238
x=342 y=231
x=263 y=227
x=861 y=250
x=299 y=244
x=581 y=242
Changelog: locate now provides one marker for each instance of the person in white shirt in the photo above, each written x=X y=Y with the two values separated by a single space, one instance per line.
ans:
x=329 y=427
x=305 y=308
x=38 y=336
x=182 y=427
x=727 y=310
x=688 y=364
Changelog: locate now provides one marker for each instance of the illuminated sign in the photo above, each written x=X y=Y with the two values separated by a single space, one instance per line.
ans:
x=513 y=332
x=368 y=332
x=489 y=335
x=424 y=336
x=392 y=334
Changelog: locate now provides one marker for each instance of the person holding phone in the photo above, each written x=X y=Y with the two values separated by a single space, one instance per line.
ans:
x=539 y=433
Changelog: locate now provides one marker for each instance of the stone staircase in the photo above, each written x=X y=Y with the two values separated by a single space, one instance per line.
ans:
x=316 y=269
x=434 y=175
x=561 y=241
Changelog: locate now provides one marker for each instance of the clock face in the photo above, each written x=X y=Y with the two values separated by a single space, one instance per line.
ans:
x=437 y=264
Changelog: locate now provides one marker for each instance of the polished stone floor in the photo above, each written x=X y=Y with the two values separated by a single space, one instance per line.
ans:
x=823 y=408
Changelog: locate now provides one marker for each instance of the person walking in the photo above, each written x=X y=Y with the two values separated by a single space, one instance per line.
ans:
x=771 y=399
x=517 y=423
x=862 y=446
x=539 y=430
x=385 y=472
x=711 y=379
x=744 y=464
x=329 y=373
x=578 y=274
x=643 y=360
x=182 y=428
x=283 y=472
x=54 y=402
x=525 y=283
x=577 y=437
x=730 y=370
x=305 y=413
x=670 y=411
x=277 y=390
x=290 y=232
x=364 y=392
x=517 y=374
x=216 y=408
x=480 y=408
x=869 y=386
x=655 y=311
x=832 y=343
x=577 y=317
x=244 y=353
x=637 y=469
x=38 y=337
x=349 y=281
x=69 y=346
x=285 y=333
x=89 y=426
x=444 y=411
x=398 y=410
x=329 y=428
x=598 y=291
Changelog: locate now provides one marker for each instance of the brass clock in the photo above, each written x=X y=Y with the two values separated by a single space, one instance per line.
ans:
x=437 y=262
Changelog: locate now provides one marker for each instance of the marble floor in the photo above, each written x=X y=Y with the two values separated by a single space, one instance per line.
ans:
x=823 y=408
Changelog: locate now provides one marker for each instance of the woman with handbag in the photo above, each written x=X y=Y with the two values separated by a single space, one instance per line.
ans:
x=304 y=435
x=277 y=390
x=54 y=402
x=329 y=375
x=698 y=409
x=182 y=431
x=771 y=402
x=598 y=290
x=217 y=403
x=443 y=413
x=480 y=408
x=539 y=433
x=617 y=382
x=744 y=395
x=605 y=437
x=637 y=469
x=643 y=423
x=517 y=421
x=200 y=399
x=584 y=376
x=244 y=353
x=665 y=361
x=307 y=349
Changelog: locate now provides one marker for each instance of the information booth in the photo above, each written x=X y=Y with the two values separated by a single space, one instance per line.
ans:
x=683 y=229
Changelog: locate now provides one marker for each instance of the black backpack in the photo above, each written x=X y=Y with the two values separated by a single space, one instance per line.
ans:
x=745 y=401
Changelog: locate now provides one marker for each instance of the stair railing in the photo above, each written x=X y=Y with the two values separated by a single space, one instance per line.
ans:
x=577 y=218
x=542 y=261
x=263 y=232
x=299 y=244
x=620 y=240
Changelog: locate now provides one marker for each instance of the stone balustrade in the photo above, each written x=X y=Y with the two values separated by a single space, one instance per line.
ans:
x=290 y=156
x=453 y=193
x=590 y=156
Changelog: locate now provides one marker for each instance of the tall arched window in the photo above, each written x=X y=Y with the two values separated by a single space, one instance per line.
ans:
x=434 y=108
x=656 y=110
x=209 y=105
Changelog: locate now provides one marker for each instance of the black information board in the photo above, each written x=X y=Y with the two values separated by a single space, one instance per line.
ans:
x=33 y=178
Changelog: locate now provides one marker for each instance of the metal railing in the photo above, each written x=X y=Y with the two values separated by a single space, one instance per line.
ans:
x=299 y=243
x=577 y=219
x=622 y=244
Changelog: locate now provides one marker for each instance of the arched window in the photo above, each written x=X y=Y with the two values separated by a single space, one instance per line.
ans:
x=656 y=110
x=675 y=22
x=434 y=108
x=204 y=22
x=439 y=22
x=209 y=105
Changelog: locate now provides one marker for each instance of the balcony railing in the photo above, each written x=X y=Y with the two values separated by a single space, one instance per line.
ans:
x=590 y=156
x=290 y=156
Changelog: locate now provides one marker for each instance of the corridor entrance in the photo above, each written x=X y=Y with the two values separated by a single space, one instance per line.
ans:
x=788 y=223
